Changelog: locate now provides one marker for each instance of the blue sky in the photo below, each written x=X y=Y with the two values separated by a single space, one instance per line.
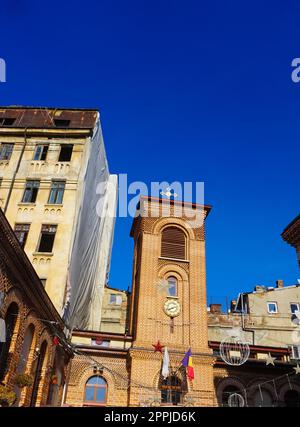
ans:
x=188 y=91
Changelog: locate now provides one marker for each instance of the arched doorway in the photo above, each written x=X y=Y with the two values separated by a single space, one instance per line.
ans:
x=40 y=368
x=292 y=398
x=171 y=390
x=12 y=325
x=27 y=349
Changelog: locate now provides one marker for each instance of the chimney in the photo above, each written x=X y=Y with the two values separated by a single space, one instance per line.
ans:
x=279 y=284
x=215 y=308
x=259 y=288
x=232 y=305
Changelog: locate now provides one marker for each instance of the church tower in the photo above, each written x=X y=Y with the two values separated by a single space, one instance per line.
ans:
x=169 y=304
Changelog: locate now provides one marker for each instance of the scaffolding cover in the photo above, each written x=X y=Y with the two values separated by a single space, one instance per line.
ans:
x=91 y=250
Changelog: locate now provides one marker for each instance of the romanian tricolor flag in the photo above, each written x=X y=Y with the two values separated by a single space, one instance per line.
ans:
x=187 y=362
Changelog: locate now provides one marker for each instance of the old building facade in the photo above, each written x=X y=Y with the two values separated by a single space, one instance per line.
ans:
x=32 y=336
x=45 y=156
x=51 y=162
x=265 y=319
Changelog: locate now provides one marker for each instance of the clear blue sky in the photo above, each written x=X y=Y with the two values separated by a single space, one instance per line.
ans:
x=189 y=91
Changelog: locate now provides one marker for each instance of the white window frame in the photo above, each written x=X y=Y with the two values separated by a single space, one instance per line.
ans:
x=294 y=348
x=276 y=305
x=117 y=298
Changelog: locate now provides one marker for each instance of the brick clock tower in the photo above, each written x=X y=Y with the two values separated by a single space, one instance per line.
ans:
x=169 y=304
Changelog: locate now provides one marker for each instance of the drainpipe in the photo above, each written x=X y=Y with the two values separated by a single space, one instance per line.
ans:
x=16 y=171
x=243 y=322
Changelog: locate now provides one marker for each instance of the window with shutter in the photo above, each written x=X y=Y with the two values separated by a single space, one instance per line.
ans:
x=173 y=244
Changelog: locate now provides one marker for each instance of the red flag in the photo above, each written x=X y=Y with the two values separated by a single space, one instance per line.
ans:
x=55 y=340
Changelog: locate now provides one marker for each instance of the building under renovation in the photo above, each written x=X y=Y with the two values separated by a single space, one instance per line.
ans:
x=59 y=197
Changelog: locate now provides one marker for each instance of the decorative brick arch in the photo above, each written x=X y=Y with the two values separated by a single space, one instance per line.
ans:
x=13 y=297
x=31 y=318
x=173 y=269
x=162 y=223
x=180 y=374
x=45 y=336
x=229 y=381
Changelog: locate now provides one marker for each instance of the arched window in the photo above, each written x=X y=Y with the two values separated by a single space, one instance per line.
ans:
x=171 y=390
x=173 y=243
x=172 y=288
x=227 y=392
x=95 y=391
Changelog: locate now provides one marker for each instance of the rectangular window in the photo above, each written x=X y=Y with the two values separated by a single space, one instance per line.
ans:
x=31 y=191
x=40 y=152
x=7 y=121
x=294 y=351
x=112 y=298
x=57 y=192
x=65 y=153
x=272 y=307
x=294 y=307
x=47 y=238
x=6 y=151
x=21 y=232
x=115 y=299
x=61 y=123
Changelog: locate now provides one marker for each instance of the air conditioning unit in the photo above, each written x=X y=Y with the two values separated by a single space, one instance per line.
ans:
x=294 y=351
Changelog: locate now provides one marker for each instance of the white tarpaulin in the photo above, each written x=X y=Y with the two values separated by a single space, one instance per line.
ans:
x=91 y=250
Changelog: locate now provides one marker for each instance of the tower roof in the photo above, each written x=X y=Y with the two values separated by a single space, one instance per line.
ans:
x=167 y=202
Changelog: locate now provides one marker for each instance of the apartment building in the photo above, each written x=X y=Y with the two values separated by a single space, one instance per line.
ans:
x=46 y=155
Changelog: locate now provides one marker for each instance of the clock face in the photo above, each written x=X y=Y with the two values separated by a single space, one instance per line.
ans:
x=172 y=308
